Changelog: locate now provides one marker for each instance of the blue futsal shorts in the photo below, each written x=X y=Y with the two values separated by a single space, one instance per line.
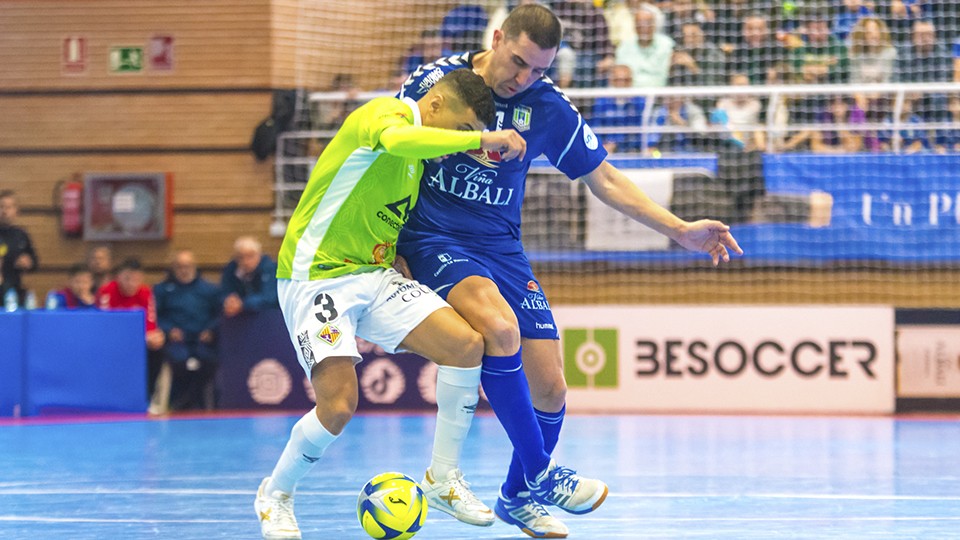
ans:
x=442 y=266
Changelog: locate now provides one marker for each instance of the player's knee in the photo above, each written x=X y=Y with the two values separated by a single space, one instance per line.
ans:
x=501 y=337
x=549 y=395
x=469 y=350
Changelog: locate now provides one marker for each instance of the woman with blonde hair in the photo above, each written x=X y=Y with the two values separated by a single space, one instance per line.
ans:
x=872 y=55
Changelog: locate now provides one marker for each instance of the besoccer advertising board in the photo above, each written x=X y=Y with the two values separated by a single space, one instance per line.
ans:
x=784 y=359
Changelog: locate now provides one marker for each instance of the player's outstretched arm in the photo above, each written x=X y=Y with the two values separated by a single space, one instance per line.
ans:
x=507 y=141
x=617 y=191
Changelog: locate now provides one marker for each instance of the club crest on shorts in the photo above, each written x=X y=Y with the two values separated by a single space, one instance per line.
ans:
x=532 y=286
x=330 y=334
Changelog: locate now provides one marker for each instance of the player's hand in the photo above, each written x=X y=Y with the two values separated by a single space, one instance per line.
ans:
x=400 y=265
x=507 y=141
x=712 y=237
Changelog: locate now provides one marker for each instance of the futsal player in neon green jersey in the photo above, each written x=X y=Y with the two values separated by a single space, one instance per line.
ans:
x=335 y=279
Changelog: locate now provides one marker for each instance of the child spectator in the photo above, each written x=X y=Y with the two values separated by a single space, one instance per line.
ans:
x=77 y=294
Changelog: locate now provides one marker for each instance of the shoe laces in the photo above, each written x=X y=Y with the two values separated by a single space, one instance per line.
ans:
x=565 y=479
x=284 y=509
x=531 y=504
x=462 y=488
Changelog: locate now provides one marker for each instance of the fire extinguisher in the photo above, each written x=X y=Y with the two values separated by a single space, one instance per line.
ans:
x=71 y=206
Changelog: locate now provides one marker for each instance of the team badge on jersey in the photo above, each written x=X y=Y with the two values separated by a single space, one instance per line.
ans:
x=532 y=286
x=330 y=334
x=521 y=117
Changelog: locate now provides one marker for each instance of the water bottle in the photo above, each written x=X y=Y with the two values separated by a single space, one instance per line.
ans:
x=52 y=301
x=30 y=301
x=10 y=302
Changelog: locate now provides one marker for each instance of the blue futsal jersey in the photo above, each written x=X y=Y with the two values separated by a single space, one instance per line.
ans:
x=467 y=218
x=473 y=197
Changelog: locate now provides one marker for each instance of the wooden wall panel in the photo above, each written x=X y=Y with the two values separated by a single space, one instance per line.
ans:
x=221 y=181
x=131 y=120
x=216 y=42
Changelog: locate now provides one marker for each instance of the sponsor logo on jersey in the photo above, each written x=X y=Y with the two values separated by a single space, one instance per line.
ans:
x=447 y=260
x=545 y=326
x=485 y=157
x=306 y=349
x=330 y=334
x=430 y=80
x=589 y=139
x=521 y=117
x=400 y=210
x=532 y=286
x=470 y=183
x=444 y=257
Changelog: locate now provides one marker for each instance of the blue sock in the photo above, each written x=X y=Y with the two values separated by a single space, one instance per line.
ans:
x=506 y=387
x=550 y=424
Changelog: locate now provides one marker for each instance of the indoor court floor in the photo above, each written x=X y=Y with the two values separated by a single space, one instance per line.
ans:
x=736 y=477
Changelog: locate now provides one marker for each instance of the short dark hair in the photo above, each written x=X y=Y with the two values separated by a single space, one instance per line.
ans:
x=537 y=22
x=472 y=91
x=4 y=193
x=129 y=264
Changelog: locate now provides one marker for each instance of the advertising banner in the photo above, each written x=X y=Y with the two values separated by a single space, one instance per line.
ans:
x=784 y=359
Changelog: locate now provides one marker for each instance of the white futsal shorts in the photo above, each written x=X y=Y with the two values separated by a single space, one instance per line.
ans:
x=324 y=316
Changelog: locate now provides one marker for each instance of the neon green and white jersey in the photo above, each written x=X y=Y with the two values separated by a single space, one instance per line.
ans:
x=362 y=189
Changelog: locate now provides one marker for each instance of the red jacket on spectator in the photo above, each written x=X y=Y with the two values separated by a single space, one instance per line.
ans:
x=110 y=297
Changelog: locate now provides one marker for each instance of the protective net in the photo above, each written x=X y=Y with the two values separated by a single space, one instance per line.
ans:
x=825 y=134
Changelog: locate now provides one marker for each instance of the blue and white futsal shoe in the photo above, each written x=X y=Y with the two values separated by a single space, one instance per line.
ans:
x=564 y=488
x=531 y=516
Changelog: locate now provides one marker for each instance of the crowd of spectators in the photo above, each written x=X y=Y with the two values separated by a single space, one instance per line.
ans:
x=688 y=43
x=182 y=312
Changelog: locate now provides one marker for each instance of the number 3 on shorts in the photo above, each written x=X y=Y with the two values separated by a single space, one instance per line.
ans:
x=328 y=311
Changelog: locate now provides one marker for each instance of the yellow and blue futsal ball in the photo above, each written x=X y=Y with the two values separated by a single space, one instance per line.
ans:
x=392 y=506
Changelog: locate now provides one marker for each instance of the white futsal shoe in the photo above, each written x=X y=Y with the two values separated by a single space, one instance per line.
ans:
x=564 y=488
x=275 y=511
x=531 y=516
x=453 y=496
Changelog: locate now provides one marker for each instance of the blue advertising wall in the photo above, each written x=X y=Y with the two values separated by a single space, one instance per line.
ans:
x=886 y=207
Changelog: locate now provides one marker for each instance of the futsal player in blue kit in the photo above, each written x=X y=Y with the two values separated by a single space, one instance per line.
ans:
x=463 y=240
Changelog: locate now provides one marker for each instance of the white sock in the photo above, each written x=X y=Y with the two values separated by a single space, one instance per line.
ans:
x=456 y=402
x=308 y=440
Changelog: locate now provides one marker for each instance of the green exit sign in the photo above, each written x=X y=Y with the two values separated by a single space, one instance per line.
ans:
x=126 y=59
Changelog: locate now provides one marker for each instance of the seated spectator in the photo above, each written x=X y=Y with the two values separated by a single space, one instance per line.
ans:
x=429 y=48
x=840 y=110
x=912 y=140
x=649 y=54
x=925 y=58
x=872 y=55
x=683 y=113
x=77 y=294
x=742 y=112
x=249 y=281
x=619 y=112
x=822 y=58
x=902 y=14
x=128 y=291
x=680 y=12
x=759 y=55
x=724 y=30
x=100 y=264
x=703 y=62
x=947 y=141
x=188 y=308
x=585 y=31
x=16 y=250
x=462 y=28
x=848 y=15
x=620 y=16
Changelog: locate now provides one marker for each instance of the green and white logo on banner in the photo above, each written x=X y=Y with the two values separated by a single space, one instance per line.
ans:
x=590 y=357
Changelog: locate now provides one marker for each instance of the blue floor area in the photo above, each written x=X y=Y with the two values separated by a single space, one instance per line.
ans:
x=669 y=476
